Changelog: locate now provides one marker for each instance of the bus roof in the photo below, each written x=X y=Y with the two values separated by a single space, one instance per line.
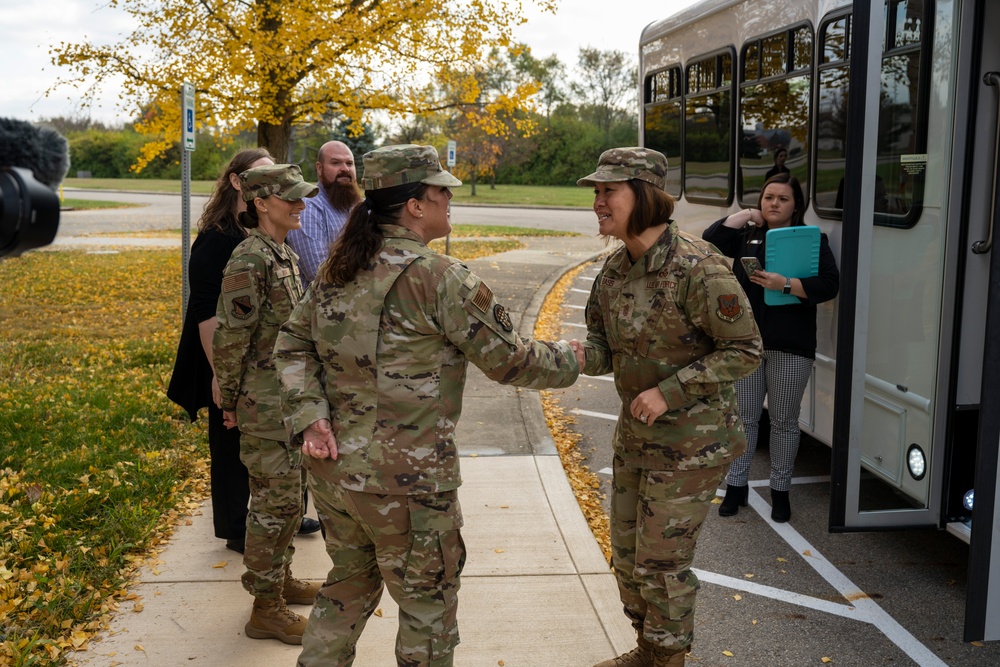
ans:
x=694 y=13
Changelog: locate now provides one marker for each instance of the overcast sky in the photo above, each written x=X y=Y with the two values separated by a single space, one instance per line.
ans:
x=29 y=28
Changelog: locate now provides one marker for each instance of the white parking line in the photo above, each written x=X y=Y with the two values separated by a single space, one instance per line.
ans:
x=863 y=609
x=574 y=324
x=581 y=291
x=591 y=413
x=847 y=611
x=569 y=305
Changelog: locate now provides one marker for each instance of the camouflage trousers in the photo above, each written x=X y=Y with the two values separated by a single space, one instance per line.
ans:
x=412 y=545
x=275 y=512
x=656 y=516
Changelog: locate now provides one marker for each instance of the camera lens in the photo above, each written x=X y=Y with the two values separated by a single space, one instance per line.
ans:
x=29 y=212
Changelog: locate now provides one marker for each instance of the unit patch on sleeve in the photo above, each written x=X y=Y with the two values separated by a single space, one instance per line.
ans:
x=729 y=307
x=502 y=317
x=242 y=308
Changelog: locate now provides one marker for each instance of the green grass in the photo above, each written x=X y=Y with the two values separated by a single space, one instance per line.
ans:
x=89 y=204
x=530 y=195
x=515 y=195
x=138 y=185
x=458 y=231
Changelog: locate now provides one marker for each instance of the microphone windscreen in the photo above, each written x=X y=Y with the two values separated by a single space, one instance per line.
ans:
x=41 y=149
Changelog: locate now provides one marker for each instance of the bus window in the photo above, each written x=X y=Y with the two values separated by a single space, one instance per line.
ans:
x=902 y=137
x=707 y=121
x=662 y=121
x=774 y=111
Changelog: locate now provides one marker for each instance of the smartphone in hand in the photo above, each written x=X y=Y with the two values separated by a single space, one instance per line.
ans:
x=751 y=264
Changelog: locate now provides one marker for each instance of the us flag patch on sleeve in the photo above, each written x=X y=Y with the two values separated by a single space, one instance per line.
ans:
x=483 y=297
x=237 y=281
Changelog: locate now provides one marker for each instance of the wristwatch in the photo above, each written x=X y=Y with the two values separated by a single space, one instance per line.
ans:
x=787 y=289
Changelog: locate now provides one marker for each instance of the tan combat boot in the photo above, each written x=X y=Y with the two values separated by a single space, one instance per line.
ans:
x=271 y=619
x=296 y=591
x=640 y=656
x=668 y=660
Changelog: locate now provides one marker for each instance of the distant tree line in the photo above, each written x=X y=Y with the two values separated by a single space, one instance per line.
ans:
x=574 y=115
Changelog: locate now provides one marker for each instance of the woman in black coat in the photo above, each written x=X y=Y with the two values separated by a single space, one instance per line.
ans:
x=193 y=385
x=788 y=331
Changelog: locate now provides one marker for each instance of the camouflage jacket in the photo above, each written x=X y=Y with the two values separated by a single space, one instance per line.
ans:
x=260 y=286
x=385 y=357
x=676 y=319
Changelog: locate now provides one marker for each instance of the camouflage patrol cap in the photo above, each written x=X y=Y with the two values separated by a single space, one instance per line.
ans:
x=390 y=166
x=624 y=164
x=284 y=181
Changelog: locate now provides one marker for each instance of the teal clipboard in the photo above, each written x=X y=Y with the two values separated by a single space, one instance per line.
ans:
x=794 y=253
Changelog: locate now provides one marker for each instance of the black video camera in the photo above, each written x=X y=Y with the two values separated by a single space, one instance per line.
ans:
x=33 y=162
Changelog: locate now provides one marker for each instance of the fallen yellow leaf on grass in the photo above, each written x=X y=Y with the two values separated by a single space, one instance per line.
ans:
x=220 y=564
x=728 y=654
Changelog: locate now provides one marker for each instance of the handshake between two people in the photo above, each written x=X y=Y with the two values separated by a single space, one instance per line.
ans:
x=646 y=407
x=319 y=442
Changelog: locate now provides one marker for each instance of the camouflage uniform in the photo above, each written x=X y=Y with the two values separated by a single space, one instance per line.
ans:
x=676 y=319
x=384 y=358
x=260 y=287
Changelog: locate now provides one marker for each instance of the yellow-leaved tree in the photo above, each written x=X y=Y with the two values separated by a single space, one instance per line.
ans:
x=274 y=63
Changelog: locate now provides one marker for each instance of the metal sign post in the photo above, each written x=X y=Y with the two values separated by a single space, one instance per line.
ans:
x=187 y=143
x=451 y=165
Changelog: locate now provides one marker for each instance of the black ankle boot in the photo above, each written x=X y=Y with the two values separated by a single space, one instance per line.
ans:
x=781 y=511
x=736 y=497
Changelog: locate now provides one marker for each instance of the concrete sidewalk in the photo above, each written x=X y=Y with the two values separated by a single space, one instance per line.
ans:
x=536 y=588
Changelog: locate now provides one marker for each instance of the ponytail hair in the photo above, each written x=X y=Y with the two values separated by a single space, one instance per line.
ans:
x=249 y=218
x=362 y=237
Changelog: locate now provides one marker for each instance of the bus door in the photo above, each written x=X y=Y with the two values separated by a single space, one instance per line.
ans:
x=971 y=509
x=917 y=393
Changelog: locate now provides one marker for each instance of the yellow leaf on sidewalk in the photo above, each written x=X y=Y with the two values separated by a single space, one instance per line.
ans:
x=378 y=612
x=220 y=564
x=728 y=654
x=737 y=597
x=825 y=659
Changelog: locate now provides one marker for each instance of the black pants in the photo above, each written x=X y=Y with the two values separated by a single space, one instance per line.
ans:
x=229 y=477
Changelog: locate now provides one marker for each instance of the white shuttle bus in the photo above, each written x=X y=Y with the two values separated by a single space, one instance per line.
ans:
x=889 y=112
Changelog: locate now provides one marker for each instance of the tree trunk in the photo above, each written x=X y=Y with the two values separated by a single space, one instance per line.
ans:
x=493 y=180
x=473 y=182
x=275 y=138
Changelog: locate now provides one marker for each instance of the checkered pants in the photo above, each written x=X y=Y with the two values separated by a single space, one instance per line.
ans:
x=782 y=377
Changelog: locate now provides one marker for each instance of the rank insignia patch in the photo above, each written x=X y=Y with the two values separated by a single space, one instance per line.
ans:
x=729 y=308
x=242 y=308
x=502 y=317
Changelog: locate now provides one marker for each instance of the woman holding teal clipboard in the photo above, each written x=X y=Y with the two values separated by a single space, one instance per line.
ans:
x=788 y=331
